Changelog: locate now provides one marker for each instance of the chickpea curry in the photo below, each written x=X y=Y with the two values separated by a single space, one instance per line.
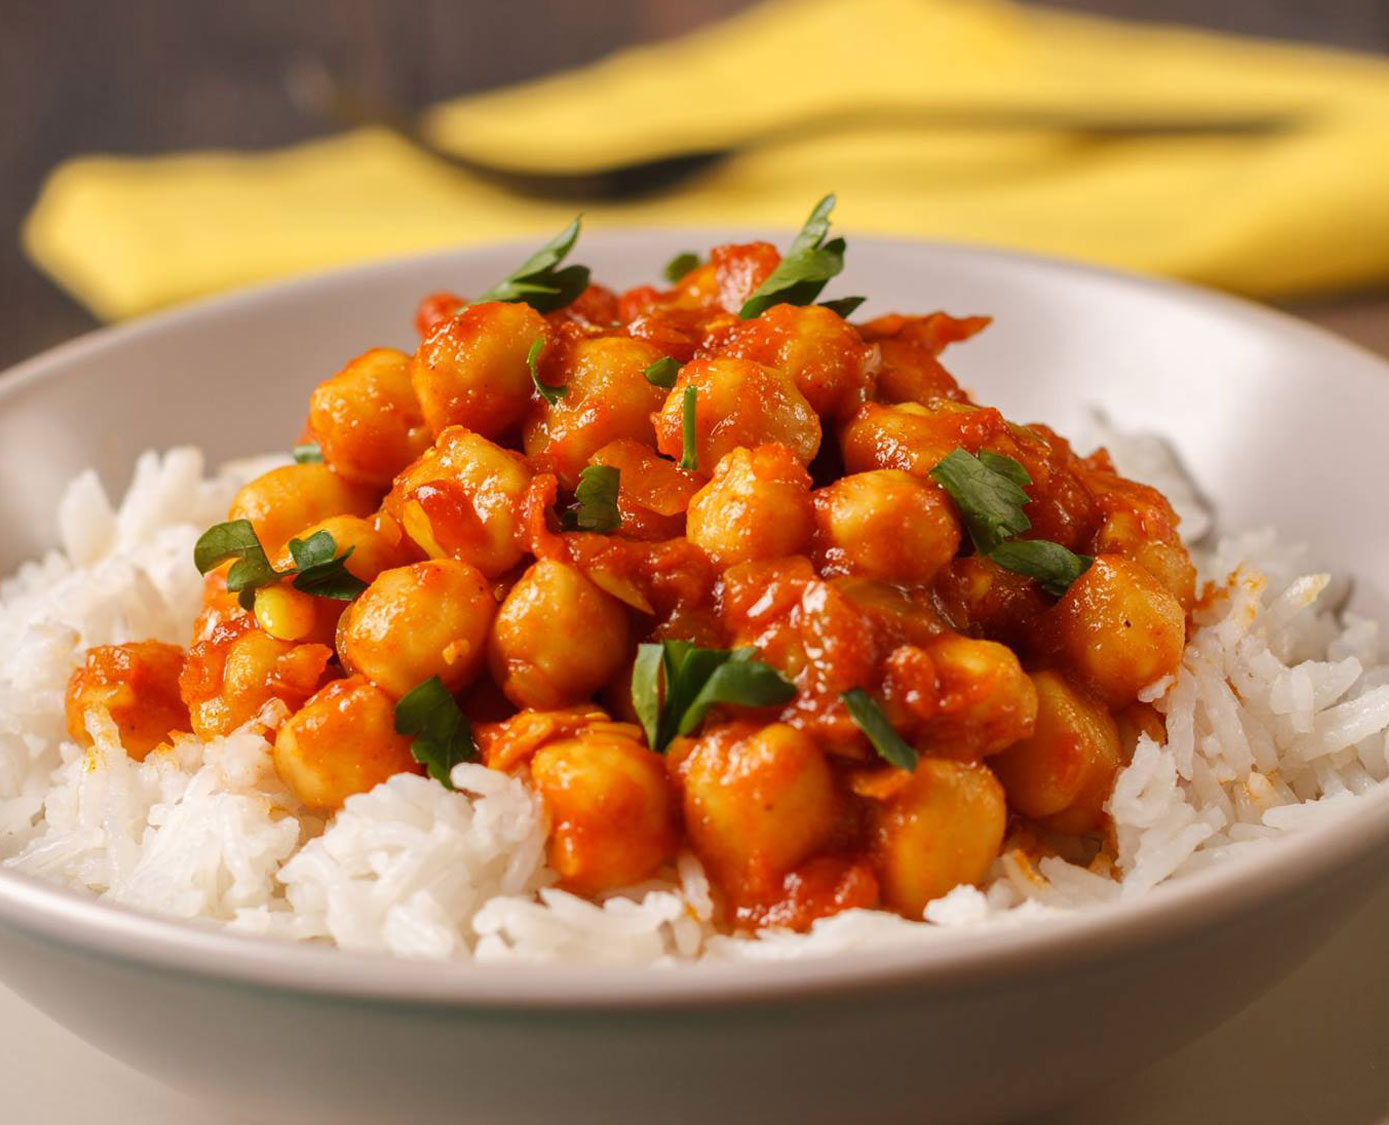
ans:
x=711 y=566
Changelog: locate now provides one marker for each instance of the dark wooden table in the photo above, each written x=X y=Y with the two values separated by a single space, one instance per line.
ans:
x=148 y=76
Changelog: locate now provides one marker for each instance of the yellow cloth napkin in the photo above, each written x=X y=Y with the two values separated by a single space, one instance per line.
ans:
x=1295 y=212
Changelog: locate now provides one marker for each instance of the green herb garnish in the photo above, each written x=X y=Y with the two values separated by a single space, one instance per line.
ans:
x=680 y=265
x=989 y=495
x=869 y=718
x=1049 y=563
x=317 y=569
x=808 y=266
x=988 y=492
x=696 y=679
x=844 y=306
x=538 y=283
x=662 y=373
x=551 y=392
x=441 y=734
x=235 y=539
x=595 y=500
x=1015 y=471
x=308 y=453
x=689 y=451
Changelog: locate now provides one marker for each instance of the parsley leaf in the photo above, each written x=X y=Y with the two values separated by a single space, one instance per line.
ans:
x=235 y=539
x=680 y=265
x=742 y=680
x=595 y=500
x=1049 y=563
x=662 y=373
x=308 y=452
x=442 y=734
x=844 y=306
x=646 y=690
x=989 y=496
x=538 y=283
x=695 y=680
x=551 y=392
x=317 y=569
x=869 y=718
x=321 y=571
x=1015 y=471
x=988 y=491
x=689 y=443
x=809 y=264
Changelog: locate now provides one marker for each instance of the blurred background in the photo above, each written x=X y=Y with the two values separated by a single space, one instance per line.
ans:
x=157 y=76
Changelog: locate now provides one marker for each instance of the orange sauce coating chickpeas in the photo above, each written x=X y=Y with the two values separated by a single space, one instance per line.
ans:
x=522 y=513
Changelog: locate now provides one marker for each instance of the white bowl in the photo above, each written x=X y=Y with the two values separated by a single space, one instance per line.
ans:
x=1281 y=423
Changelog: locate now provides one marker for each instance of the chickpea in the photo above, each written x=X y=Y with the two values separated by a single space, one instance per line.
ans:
x=757 y=803
x=944 y=828
x=514 y=737
x=739 y=403
x=907 y=349
x=738 y=268
x=610 y=810
x=557 y=639
x=342 y=741
x=1063 y=772
x=434 y=309
x=821 y=352
x=757 y=506
x=137 y=686
x=472 y=371
x=231 y=674
x=414 y=622
x=652 y=494
x=910 y=373
x=292 y=615
x=607 y=397
x=284 y=501
x=884 y=524
x=980 y=597
x=1120 y=629
x=367 y=420
x=915 y=437
x=462 y=500
x=1162 y=555
x=986 y=700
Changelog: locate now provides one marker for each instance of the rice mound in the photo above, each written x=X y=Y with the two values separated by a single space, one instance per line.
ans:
x=1276 y=720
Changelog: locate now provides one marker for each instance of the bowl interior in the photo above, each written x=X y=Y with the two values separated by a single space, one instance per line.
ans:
x=1279 y=422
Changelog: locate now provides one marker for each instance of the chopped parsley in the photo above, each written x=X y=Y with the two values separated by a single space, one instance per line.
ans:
x=680 y=265
x=595 y=500
x=539 y=282
x=988 y=493
x=550 y=392
x=809 y=265
x=869 y=718
x=844 y=306
x=317 y=569
x=689 y=443
x=1049 y=563
x=308 y=453
x=696 y=679
x=662 y=373
x=441 y=735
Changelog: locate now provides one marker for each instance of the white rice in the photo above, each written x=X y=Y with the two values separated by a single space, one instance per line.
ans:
x=1276 y=721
